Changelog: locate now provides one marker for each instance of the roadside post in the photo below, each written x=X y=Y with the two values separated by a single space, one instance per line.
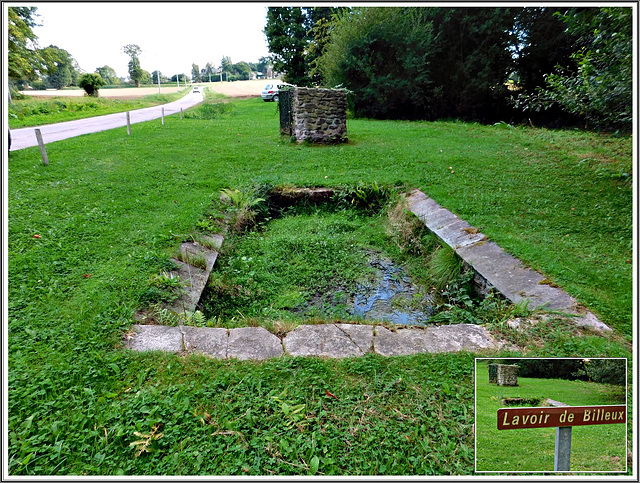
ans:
x=563 y=419
x=163 y=116
x=43 y=151
x=128 y=123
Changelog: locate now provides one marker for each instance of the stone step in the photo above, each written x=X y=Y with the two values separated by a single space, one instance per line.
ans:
x=322 y=340
x=194 y=278
x=500 y=270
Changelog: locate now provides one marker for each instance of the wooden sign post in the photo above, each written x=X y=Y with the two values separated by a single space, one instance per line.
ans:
x=563 y=419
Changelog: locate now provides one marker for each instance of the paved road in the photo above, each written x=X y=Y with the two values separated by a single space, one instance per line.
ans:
x=26 y=137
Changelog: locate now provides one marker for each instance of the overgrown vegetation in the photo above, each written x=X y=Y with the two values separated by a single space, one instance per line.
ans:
x=107 y=213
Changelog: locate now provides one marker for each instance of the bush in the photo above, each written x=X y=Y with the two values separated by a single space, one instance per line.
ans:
x=91 y=83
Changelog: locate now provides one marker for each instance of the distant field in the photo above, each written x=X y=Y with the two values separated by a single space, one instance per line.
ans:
x=121 y=93
x=231 y=89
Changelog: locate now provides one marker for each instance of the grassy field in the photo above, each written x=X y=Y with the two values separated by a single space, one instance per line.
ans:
x=593 y=448
x=37 y=111
x=89 y=232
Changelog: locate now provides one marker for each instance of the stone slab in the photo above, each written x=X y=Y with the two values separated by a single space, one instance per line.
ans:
x=156 y=338
x=451 y=338
x=253 y=343
x=388 y=343
x=515 y=281
x=501 y=270
x=195 y=249
x=360 y=335
x=212 y=341
x=325 y=340
x=194 y=280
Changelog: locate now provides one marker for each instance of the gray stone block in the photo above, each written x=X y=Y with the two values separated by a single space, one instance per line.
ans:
x=212 y=341
x=388 y=343
x=253 y=343
x=155 y=338
x=320 y=340
x=501 y=270
x=360 y=335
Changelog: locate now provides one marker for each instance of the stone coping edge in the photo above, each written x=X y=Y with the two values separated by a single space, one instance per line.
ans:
x=321 y=340
x=499 y=269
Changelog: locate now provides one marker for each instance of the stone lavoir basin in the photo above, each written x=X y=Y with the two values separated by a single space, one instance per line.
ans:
x=387 y=297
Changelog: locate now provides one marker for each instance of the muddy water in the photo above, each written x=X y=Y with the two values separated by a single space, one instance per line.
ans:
x=391 y=296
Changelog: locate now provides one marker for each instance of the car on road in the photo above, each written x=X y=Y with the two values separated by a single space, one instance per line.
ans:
x=271 y=92
x=196 y=89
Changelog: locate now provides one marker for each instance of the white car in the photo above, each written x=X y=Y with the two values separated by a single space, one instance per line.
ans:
x=271 y=92
x=196 y=89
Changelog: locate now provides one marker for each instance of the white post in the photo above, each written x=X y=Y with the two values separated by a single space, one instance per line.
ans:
x=159 y=90
x=163 y=116
x=178 y=79
x=128 y=124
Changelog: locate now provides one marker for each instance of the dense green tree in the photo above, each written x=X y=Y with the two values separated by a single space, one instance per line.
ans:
x=108 y=75
x=296 y=38
x=180 y=77
x=208 y=71
x=599 y=87
x=135 y=71
x=25 y=60
x=63 y=70
x=154 y=77
x=368 y=54
x=470 y=62
x=429 y=63
x=226 y=64
x=91 y=83
x=287 y=32
x=195 y=73
x=263 y=65
x=541 y=42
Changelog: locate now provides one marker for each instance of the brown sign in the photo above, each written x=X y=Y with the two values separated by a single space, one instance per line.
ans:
x=521 y=418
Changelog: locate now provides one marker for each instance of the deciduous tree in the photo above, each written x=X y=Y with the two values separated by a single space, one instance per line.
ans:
x=599 y=87
x=24 y=59
x=135 y=71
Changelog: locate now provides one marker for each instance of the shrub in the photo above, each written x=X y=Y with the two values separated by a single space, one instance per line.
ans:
x=91 y=83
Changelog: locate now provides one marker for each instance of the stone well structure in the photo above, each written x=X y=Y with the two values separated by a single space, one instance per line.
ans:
x=319 y=115
x=507 y=375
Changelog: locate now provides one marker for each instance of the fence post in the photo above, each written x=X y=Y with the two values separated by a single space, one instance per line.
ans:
x=180 y=113
x=43 y=151
x=128 y=124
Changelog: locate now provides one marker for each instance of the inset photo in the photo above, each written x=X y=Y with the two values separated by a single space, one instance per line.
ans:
x=546 y=415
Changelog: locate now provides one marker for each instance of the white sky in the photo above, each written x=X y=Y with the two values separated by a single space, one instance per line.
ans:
x=172 y=36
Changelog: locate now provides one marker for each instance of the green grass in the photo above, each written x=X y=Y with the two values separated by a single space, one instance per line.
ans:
x=593 y=448
x=110 y=209
x=37 y=112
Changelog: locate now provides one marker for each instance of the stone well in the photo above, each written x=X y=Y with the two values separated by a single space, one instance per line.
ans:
x=507 y=375
x=319 y=115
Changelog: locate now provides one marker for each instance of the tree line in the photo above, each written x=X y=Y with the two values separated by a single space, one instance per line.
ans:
x=551 y=66
x=53 y=67
x=603 y=371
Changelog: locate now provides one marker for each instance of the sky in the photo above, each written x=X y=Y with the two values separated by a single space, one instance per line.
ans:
x=171 y=35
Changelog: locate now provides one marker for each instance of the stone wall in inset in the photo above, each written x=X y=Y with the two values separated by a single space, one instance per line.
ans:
x=319 y=115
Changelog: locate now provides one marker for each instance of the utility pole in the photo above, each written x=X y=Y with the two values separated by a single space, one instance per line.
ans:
x=159 y=90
